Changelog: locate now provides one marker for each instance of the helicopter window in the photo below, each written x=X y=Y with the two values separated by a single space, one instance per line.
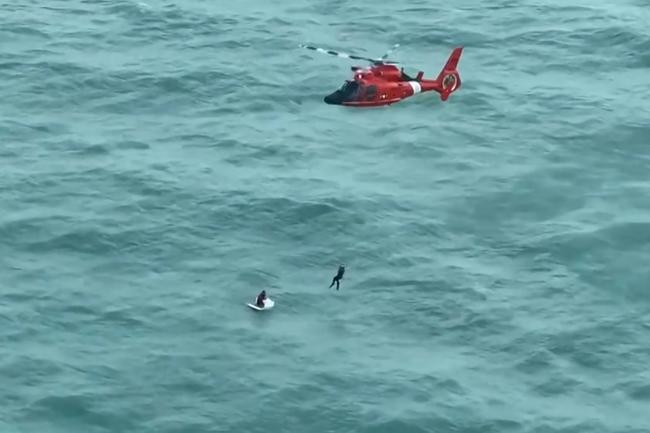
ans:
x=371 y=92
x=349 y=89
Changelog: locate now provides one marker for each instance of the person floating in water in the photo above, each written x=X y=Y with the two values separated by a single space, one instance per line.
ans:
x=338 y=277
x=260 y=299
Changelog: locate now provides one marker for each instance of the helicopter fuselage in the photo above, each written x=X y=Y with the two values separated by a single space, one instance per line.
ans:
x=386 y=84
x=374 y=86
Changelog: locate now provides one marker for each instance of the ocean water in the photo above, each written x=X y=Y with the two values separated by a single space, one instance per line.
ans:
x=161 y=162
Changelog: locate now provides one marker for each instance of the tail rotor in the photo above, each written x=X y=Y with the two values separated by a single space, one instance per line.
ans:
x=449 y=78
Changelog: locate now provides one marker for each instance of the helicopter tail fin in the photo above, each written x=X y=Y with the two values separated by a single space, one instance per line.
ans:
x=449 y=78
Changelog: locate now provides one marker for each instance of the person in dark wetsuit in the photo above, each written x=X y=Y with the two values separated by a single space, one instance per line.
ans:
x=338 y=277
x=260 y=299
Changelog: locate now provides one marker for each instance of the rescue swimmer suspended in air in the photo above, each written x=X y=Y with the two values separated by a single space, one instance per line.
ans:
x=383 y=83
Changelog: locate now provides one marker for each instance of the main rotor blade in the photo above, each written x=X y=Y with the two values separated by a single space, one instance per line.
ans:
x=396 y=46
x=339 y=54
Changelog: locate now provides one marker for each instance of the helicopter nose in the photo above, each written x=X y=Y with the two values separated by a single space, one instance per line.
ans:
x=333 y=99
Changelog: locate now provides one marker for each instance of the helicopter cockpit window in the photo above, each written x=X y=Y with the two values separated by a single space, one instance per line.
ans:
x=349 y=89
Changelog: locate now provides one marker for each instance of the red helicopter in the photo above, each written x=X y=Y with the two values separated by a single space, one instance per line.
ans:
x=383 y=83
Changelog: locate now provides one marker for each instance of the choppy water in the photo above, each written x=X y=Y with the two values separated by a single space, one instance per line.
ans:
x=161 y=162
